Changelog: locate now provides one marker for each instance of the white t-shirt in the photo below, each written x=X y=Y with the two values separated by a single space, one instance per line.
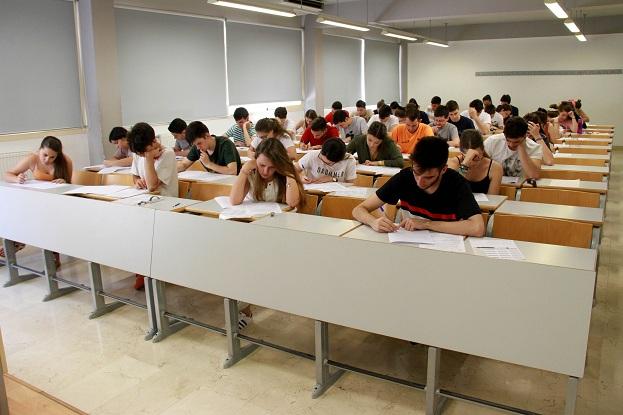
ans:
x=288 y=125
x=497 y=120
x=390 y=123
x=484 y=118
x=166 y=169
x=270 y=193
x=496 y=148
x=284 y=139
x=357 y=127
x=342 y=170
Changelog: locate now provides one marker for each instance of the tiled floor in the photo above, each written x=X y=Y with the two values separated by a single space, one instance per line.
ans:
x=104 y=366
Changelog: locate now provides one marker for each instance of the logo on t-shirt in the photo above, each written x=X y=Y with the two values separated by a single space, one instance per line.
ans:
x=512 y=166
x=323 y=171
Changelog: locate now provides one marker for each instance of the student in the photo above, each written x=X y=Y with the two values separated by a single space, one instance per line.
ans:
x=386 y=117
x=483 y=174
x=337 y=105
x=281 y=113
x=408 y=134
x=423 y=116
x=50 y=164
x=216 y=154
x=379 y=104
x=330 y=164
x=506 y=99
x=317 y=133
x=153 y=166
x=123 y=156
x=505 y=111
x=349 y=126
x=376 y=148
x=177 y=127
x=394 y=106
x=270 y=177
x=486 y=100
x=310 y=115
x=268 y=129
x=431 y=196
x=519 y=157
x=476 y=113
x=536 y=134
x=401 y=114
x=460 y=122
x=580 y=112
x=362 y=111
x=566 y=117
x=243 y=131
x=548 y=126
x=434 y=103
x=497 y=120
x=442 y=128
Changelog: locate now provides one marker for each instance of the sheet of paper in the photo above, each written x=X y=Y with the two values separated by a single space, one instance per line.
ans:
x=202 y=176
x=41 y=184
x=497 y=248
x=510 y=180
x=96 y=167
x=244 y=159
x=325 y=187
x=481 y=197
x=414 y=237
x=301 y=151
x=446 y=242
x=129 y=192
x=353 y=192
x=135 y=200
x=223 y=201
x=113 y=169
x=382 y=170
x=96 y=190
x=250 y=210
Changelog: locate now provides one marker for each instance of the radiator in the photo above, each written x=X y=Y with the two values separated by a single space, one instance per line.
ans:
x=9 y=160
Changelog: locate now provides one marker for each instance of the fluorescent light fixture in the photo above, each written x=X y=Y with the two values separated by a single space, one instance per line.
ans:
x=398 y=36
x=333 y=22
x=580 y=37
x=251 y=8
x=433 y=43
x=555 y=8
x=573 y=28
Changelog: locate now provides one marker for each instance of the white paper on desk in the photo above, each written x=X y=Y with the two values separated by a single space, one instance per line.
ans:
x=481 y=197
x=510 y=180
x=134 y=201
x=250 y=210
x=112 y=169
x=96 y=167
x=202 y=176
x=301 y=151
x=446 y=242
x=414 y=237
x=130 y=192
x=96 y=190
x=325 y=187
x=383 y=170
x=497 y=248
x=41 y=184
x=244 y=159
x=352 y=192
x=223 y=201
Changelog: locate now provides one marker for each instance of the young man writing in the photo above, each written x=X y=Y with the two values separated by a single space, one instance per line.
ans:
x=481 y=120
x=386 y=117
x=362 y=111
x=408 y=134
x=460 y=122
x=216 y=154
x=506 y=99
x=317 y=133
x=337 y=105
x=242 y=132
x=434 y=103
x=350 y=126
x=123 y=156
x=177 y=128
x=443 y=129
x=330 y=164
x=431 y=196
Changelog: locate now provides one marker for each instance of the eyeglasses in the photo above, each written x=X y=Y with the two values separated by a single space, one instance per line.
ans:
x=152 y=199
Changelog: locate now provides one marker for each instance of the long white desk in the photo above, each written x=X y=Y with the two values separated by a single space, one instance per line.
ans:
x=576 y=168
x=580 y=185
x=594 y=216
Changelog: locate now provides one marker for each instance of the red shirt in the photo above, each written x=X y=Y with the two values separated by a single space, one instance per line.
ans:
x=308 y=137
x=329 y=116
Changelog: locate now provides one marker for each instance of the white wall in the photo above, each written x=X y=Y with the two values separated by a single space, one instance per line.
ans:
x=449 y=73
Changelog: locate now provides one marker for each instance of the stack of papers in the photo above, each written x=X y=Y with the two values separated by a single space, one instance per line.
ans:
x=379 y=170
x=429 y=240
x=201 y=176
x=510 y=180
x=496 y=248
x=325 y=187
x=248 y=210
x=41 y=184
x=481 y=197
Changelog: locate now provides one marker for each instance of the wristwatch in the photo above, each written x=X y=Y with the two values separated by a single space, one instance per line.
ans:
x=334 y=179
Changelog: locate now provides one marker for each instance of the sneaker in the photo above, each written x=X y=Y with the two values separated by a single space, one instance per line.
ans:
x=243 y=320
x=139 y=284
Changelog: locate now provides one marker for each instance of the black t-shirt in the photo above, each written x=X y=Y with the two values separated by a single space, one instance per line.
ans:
x=225 y=152
x=463 y=124
x=424 y=118
x=453 y=200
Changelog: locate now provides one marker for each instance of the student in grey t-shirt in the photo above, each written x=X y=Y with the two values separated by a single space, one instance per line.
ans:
x=444 y=129
x=350 y=126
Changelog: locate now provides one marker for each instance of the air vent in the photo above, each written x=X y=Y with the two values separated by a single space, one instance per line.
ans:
x=310 y=5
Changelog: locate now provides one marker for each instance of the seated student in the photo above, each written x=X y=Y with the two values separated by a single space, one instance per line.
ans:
x=330 y=164
x=442 y=128
x=349 y=126
x=434 y=103
x=476 y=113
x=497 y=120
x=379 y=104
x=506 y=99
x=483 y=174
x=486 y=100
x=393 y=106
x=536 y=134
x=242 y=132
x=177 y=127
x=317 y=133
x=281 y=113
x=216 y=154
x=310 y=115
x=271 y=128
x=362 y=111
x=460 y=122
x=123 y=156
x=505 y=111
x=376 y=148
x=423 y=116
x=153 y=166
x=386 y=117
x=431 y=196
x=401 y=114
x=269 y=177
x=408 y=134
x=337 y=105
x=566 y=117
x=549 y=123
x=580 y=111
x=519 y=157
x=50 y=164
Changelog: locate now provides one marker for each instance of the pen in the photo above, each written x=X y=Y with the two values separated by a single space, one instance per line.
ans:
x=177 y=204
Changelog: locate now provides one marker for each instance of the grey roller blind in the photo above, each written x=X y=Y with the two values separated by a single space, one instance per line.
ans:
x=39 y=81
x=382 y=71
x=263 y=64
x=341 y=70
x=170 y=66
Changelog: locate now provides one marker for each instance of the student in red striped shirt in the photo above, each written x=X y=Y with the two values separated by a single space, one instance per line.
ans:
x=431 y=196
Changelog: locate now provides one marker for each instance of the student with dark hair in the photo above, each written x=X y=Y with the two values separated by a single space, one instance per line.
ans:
x=317 y=133
x=310 y=115
x=379 y=104
x=423 y=116
x=386 y=117
x=506 y=99
x=281 y=114
x=408 y=134
x=269 y=129
x=537 y=134
x=329 y=164
x=481 y=120
x=401 y=114
x=483 y=174
x=177 y=128
x=519 y=157
x=123 y=156
x=337 y=105
x=442 y=128
x=497 y=120
x=394 y=105
x=548 y=127
x=566 y=117
x=362 y=111
x=505 y=111
x=216 y=154
x=431 y=196
x=434 y=103
x=486 y=100
x=349 y=126
x=242 y=132
x=376 y=148
x=580 y=111
x=460 y=122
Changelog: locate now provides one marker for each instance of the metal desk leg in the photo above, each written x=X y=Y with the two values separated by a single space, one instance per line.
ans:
x=151 y=309
x=324 y=378
x=571 y=395
x=50 y=272
x=11 y=261
x=434 y=402
x=99 y=303
x=235 y=352
x=164 y=327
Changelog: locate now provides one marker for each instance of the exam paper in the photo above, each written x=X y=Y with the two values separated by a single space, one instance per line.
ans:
x=497 y=248
x=446 y=242
x=325 y=187
x=202 y=176
x=404 y=236
x=250 y=210
x=510 y=180
x=96 y=190
x=382 y=170
x=41 y=184
x=362 y=192
x=112 y=169
x=481 y=197
x=129 y=192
